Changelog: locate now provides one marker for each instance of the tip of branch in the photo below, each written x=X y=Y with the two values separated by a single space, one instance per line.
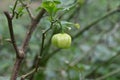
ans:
x=7 y=14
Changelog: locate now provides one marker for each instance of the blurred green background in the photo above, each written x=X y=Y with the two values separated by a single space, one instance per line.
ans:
x=94 y=55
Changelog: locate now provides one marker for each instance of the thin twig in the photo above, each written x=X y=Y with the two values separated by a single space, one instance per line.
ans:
x=27 y=9
x=13 y=11
x=30 y=73
x=96 y=21
x=48 y=44
x=42 y=45
x=30 y=13
x=26 y=75
x=43 y=38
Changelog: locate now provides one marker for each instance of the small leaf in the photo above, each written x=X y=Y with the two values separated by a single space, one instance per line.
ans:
x=77 y=25
x=19 y=11
x=69 y=7
x=66 y=23
x=8 y=40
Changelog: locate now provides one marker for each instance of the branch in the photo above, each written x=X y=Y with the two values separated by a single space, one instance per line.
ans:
x=95 y=22
x=32 y=27
x=30 y=13
x=9 y=18
x=20 y=53
x=48 y=44
x=42 y=45
x=43 y=38
x=16 y=68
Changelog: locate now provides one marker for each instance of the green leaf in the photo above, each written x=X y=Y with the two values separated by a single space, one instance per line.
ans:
x=19 y=11
x=51 y=7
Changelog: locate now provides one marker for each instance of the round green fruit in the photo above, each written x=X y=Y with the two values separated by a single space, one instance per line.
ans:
x=61 y=40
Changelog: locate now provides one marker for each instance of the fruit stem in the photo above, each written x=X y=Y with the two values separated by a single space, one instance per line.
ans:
x=62 y=30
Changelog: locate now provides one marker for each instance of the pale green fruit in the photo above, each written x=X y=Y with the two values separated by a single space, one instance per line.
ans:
x=61 y=40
